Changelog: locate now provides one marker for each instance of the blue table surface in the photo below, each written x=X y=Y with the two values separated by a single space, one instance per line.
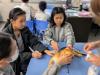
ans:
x=78 y=66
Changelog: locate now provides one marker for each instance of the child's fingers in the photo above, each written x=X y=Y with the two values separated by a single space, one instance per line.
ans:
x=35 y=56
x=67 y=57
x=88 y=46
x=55 y=47
x=50 y=54
x=70 y=46
x=38 y=56
x=38 y=53
x=92 y=59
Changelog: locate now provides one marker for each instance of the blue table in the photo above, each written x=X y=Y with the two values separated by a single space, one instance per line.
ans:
x=77 y=67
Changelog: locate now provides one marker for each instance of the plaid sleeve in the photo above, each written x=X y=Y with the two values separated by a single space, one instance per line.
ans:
x=48 y=35
x=69 y=34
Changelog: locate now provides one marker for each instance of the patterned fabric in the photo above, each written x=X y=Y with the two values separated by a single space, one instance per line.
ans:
x=64 y=34
x=53 y=70
x=7 y=70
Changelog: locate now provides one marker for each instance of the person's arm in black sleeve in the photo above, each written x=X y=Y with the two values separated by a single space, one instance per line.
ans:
x=35 y=43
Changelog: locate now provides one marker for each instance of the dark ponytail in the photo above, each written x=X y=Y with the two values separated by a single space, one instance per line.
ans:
x=7 y=23
x=13 y=15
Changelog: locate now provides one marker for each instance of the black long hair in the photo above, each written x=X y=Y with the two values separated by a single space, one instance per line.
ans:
x=42 y=5
x=13 y=15
x=25 y=1
x=5 y=45
x=57 y=10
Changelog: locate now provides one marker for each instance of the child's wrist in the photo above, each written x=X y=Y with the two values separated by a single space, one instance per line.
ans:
x=69 y=45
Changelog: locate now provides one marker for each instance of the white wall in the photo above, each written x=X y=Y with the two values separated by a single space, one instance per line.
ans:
x=7 y=5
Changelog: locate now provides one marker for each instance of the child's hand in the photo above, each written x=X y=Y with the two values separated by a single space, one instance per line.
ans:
x=89 y=46
x=69 y=46
x=54 y=45
x=94 y=59
x=36 y=54
x=50 y=53
x=65 y=59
